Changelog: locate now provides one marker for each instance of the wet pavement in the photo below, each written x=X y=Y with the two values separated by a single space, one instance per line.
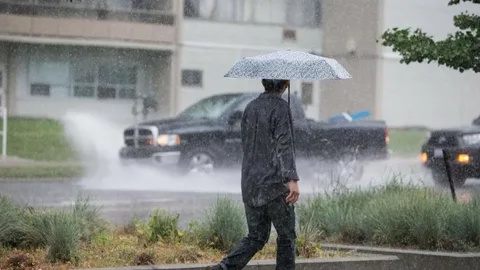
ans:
x=137 y=192
x=118 y=206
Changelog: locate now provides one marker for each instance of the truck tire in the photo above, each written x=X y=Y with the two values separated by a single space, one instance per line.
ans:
x=199 y=160
x=441 y=179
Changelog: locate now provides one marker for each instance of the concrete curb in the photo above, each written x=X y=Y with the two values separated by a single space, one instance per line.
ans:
x=364 y=262
x=419 y=259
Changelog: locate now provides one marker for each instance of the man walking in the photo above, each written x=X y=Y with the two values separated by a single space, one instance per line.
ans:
x=269 y=178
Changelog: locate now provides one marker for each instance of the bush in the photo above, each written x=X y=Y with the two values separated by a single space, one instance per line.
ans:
x=224 y=225
x=394 y=215
x=60 y=231
x=10 y=218
x=162 y=226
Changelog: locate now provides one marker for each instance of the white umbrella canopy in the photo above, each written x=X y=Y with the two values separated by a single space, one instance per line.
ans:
x=288 y=65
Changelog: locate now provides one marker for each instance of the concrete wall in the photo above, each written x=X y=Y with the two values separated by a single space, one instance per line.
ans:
x=215 y=46
x=417 y=94
x=350 y=31
x=425 y=94
x=153 y=76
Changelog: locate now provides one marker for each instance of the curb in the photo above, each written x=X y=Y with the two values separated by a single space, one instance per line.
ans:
x=38 y=180
x=358 y=262
x=419 y=259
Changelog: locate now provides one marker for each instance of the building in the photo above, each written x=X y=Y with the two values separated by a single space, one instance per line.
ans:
x=91 y=55
x=216 y=34
x=403 y=95
x=96 y=55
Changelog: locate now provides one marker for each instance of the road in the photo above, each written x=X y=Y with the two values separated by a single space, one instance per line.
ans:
x=125 y=193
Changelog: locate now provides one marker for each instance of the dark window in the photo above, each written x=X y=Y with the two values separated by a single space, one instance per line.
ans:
x=1 y=79
x=106 y=92
x=127 y=93
x=289 y=34
x=117 y=75
x=192 y=78
x=83 y=91
x=38 y=89
x=84 y=74
x=191 y=8
x=242 y=105
x=307 y=93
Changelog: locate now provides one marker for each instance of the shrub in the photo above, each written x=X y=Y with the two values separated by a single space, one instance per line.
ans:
x=223 y=226
x=162 y=226
x=60 y=231
x=395 y=215
x=10 y=218
x=66 y=233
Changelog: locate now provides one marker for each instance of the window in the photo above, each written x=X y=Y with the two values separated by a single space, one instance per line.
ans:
x=307 y=93
x=83 y=80
x=210 y=108
x=107 y=81
x=192 y=78
x=48 y=77
x=242 y=105
x=292 y=13
x=191 y=8
x=116 y=82
x=37 y=89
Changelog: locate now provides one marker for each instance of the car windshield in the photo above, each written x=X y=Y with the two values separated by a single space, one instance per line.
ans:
x=210 y=108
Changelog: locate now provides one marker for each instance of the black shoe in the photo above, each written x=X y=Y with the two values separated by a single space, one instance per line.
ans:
x=214 y=267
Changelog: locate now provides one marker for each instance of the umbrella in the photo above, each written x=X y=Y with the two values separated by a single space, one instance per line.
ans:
x=289 y=65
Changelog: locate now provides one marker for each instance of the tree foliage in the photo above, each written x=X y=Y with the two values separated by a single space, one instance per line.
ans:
x=460 y=50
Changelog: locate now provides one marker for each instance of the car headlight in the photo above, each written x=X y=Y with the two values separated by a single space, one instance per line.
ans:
x=168 y=140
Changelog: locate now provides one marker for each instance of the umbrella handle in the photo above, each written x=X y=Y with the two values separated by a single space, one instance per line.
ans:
x=288 y=95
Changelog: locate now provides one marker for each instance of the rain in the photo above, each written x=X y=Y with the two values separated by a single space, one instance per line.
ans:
x=138 y=105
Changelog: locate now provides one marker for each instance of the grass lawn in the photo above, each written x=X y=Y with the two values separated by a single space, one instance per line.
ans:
x=406 y=142
x=38 y=139
x=35 y=172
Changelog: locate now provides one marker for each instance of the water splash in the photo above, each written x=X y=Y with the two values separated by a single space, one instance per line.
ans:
x=98 y=141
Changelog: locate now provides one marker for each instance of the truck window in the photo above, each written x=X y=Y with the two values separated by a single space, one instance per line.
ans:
x=211 y=108
x=242 y=105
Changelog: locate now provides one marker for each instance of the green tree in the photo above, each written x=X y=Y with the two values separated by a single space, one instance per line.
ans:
x=460 y=50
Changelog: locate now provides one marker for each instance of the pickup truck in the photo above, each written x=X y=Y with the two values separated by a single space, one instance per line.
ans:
x=462 y=146
x=206 y=136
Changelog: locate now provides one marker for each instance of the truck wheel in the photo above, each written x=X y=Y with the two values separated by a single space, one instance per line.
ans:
x=441 y=179
x=198 y=161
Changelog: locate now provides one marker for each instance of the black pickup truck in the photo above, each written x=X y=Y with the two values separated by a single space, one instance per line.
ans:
x=462 y=146
x=206 y=136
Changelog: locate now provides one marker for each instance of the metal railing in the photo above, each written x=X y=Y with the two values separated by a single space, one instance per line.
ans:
x=3 y=132
x=88 y=10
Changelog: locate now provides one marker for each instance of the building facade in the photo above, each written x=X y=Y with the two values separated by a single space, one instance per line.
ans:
x=94 y=56
x=403 y=95
x=216 y=34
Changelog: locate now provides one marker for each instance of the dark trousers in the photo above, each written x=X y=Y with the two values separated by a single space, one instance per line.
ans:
x=259 y=221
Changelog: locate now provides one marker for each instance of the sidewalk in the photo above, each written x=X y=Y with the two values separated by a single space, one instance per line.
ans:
x=20 y=162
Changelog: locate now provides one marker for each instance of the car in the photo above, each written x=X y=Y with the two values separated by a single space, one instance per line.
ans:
x=206 y=136
x=462 y=148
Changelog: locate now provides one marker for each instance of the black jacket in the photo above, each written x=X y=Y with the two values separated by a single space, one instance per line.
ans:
x=268 y=149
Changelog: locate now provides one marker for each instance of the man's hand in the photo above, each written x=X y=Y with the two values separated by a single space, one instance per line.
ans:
x=294 y=192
